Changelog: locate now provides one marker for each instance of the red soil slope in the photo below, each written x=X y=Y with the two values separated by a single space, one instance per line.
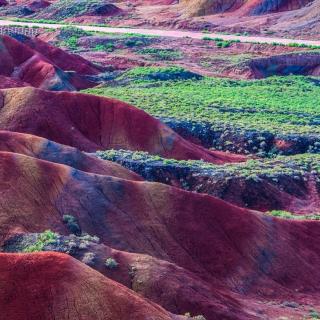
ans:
x=93 y=123
x=222 y=249
x=7 y=82
x=20 y=62
x=61 y=58
x=184 y=291
x=44 y=149
x=55 y=286
x=240 y=249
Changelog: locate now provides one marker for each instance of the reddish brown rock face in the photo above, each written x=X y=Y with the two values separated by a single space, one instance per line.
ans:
x=43 y=66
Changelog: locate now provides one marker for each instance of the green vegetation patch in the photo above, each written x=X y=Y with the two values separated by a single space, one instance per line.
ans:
x=69 y=37
x=146 y=74
x=220 y=43
x=288 y=215
x=63 y=9
x=106 y=47
x=280 y=105
x=162 y=54
x=44 y=239
x=296 y=166
x=111 y=263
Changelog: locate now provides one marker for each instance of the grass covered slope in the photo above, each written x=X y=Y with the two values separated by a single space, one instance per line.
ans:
x=277 y=104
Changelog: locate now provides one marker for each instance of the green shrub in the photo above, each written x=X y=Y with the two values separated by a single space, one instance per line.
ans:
x=161 y=54
x=111 y=263
x=134 y=43
x=72 y=224
x=221 y=43
x=43 y=239
x=71 y=31
x=107 y=47
x=89 y=258
x=70 y=36
x=72 y=43
x=288 y=215
x=314 y=314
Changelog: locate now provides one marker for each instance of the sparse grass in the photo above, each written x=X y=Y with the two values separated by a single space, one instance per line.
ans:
x=288 y=215
x=106 y=47
x=161 y=54
x=295 y=166
x=220 y=43
x=70 y=36
x=63 y=9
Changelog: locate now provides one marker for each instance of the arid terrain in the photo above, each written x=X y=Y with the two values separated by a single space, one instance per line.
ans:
x=160 y=175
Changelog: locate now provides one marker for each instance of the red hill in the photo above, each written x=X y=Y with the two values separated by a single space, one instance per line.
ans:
x=232 y=249
x=44 y=149
x=57 y=286
x=92 y=123
x=21 y=63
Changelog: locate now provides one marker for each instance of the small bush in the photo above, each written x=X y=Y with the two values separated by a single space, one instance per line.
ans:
x=111 y=263
x=89 y=258
x=72 y=224
x=220 y=43
x=71 y=43
x=71 y=35
x=161 y=54
x=200 y=317
x=70 y=31
x=133 y=43
x=314 y=314
x=107 y=47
